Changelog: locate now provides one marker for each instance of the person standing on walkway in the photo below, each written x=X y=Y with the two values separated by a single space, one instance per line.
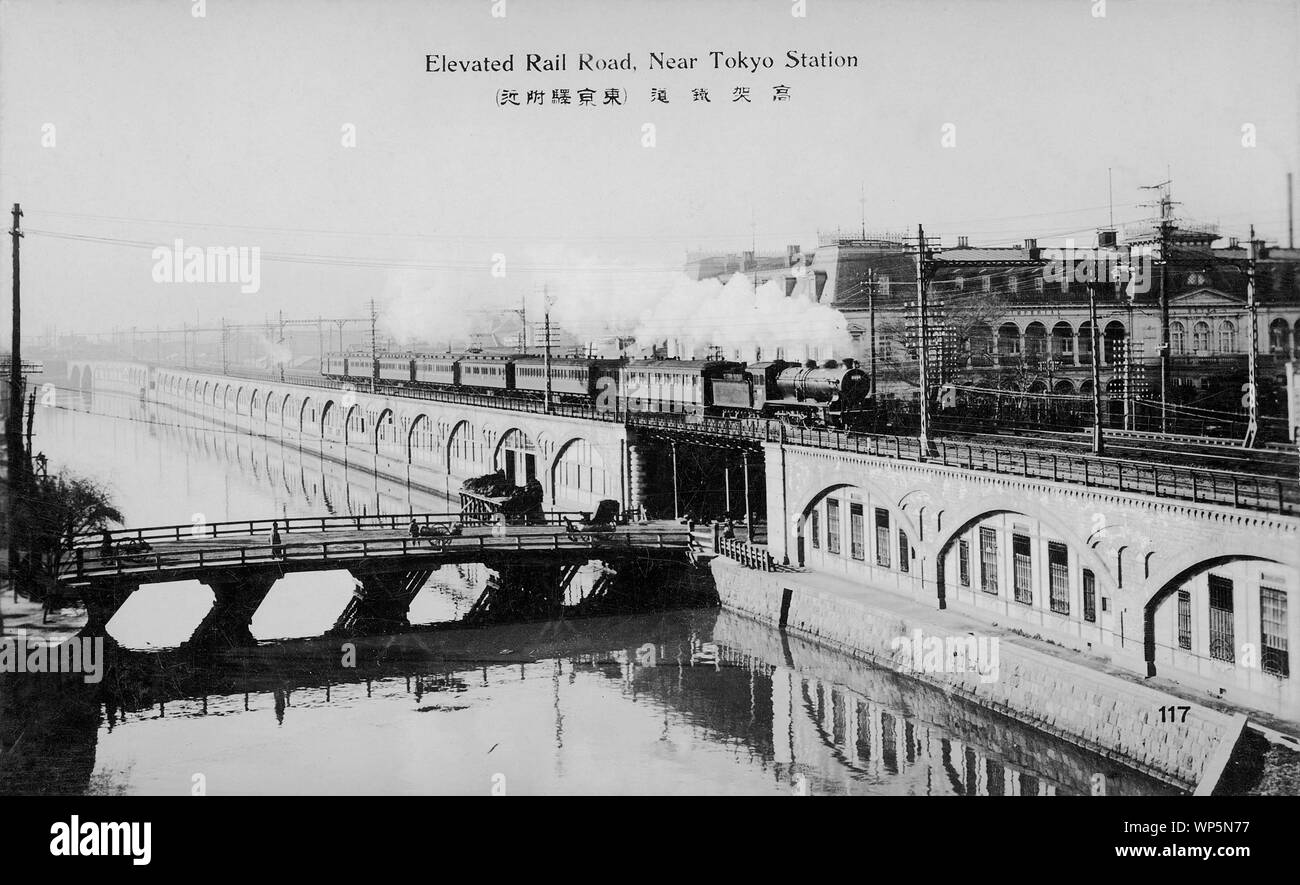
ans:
x=277 y=548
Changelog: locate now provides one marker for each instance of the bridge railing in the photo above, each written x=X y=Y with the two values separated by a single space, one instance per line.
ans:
x=89 y=564
x=246 y=527
x=748 y=555
x=1197 y=484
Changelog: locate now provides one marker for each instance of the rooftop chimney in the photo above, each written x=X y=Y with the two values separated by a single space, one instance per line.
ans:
x=746 y=261
x=963 y=242
x=1232 y=242
x=1106 y=239
x=1031 y=244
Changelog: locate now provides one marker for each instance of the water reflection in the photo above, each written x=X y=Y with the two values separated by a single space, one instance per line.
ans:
x=697 y=702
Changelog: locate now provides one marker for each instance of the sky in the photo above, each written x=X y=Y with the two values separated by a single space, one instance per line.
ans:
x=313 y=131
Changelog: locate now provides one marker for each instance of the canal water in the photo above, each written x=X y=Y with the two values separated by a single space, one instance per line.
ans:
x=696 y=701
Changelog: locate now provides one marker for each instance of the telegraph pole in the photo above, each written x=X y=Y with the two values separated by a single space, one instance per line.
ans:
x=924 y=344
x=225 y=334
x=871 y=328
x=374 y=347
x=546 y=317
x=1098 y=444
x=15 y=362
x=1166 y=205
x=1252 y=391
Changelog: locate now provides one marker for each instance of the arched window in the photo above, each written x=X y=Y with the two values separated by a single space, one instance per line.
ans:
x=1177 y=338
x=1201 y=337
x=1279 y=336
x=1227 y=337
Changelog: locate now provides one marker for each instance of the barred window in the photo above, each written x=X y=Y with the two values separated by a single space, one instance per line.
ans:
x=904 y=551
x=1272 y=608
x=1024 y=578
x=882 y=537
x=1089 y=596
x=815 y=528
x=1059 y=576
x=1221 y=638
x=833 y=525
x=989 y=560
x=857 y=532
x=963 y=562
x=1185 y=619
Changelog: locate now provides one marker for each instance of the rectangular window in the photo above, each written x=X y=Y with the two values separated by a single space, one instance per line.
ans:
x=904 y=552
x=857 y=532
x=989 y=560
x=1058 y=571
x=1272 y=613
x=882 y=537
x=963 y=562
x=1089 y=596
x=1221 y=628
x=833 y=525
x=1024 y=576
x=1185 y=619
x=815 y=528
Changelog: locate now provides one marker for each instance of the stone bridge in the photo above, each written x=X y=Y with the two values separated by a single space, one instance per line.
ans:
x=431 y=444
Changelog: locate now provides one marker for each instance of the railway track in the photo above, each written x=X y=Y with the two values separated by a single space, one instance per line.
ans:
x=1271 y=459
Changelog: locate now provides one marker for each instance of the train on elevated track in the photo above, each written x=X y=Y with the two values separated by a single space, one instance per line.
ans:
x=835 y=393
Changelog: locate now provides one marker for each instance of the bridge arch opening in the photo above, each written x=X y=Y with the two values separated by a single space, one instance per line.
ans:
x=1027 y=567
x=332 y=424
x=421 y=444
x=1229 y=620
x=354 y=426
x=387 y=437
x=516 y=455
x=580 y=479
x=308 y=416
x=852 y=530
x=466 y=451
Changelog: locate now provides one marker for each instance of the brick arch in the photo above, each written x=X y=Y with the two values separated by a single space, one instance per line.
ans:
x=328 y=408
x=552 y=463
x=1171 y=579
x=960 y=521
x=354 y=409
x=384 y=413
x=900 y=517
x=302 y=415
x=412 y=425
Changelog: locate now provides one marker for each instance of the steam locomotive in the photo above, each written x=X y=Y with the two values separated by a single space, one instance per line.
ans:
x=834 y=394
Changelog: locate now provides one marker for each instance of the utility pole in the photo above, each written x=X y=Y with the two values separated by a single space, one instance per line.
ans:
x=1166 y=225
x=1252 y=391
x=12 y=439
x=225 y=334
x=871 y=329
x=546 y=325
x=185 y=345
x=923 y=348
x=1098 y=444
x=374 y=347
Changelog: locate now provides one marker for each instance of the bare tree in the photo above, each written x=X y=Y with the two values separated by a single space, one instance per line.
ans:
x=58 y=508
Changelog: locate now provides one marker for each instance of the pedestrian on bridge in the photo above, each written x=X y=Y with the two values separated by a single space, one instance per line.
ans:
x=277 y=548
